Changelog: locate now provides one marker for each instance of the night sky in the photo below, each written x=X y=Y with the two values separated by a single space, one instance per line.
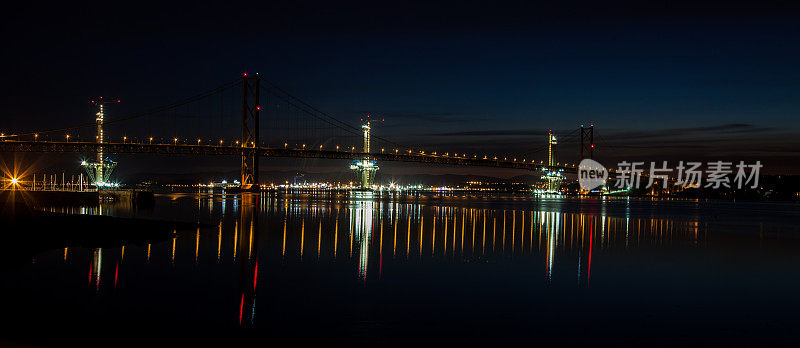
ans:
x=661 y=81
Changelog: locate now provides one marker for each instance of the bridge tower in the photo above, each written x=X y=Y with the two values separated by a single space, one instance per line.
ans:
x=587 y=141
x=552 y=176
x=100 y=170
x=365 y=167
x=551 y=144
x=100 y=119
x=249 y=140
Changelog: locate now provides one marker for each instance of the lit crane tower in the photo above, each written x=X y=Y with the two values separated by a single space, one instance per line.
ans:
x=551 y=142
x=100 y=170
x=365 y=167
x=100 y=118
x=552 y=176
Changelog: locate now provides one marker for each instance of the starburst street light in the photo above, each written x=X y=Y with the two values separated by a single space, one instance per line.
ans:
x=13 y=183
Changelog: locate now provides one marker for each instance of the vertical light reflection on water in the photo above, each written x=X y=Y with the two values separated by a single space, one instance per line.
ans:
x=250 y=244
x=503 y=248
x=602 y=232
x=522 y=232
x=283 y=247
x=552 y=224
x=408 y=237
x=235 y=238
x=463 y=222
x=531 y=235
x=335 y=235
x=483 y=246
x=96 y=267
x=455 y=221
x=473 y=219
x=380 y=249
x=394 y=222
x=197 y=246
x=445 y=218
x=513 y=230
x=362 y=216
x=319 y=238
x=421 y=224
x=433 y=243
x=174 y=239
x=303 y=236
x=591 y=240
x=494 y=232
x=116 y=274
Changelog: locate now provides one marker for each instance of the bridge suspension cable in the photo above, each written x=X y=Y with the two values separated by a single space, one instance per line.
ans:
x=316 y=113
x=143 y=113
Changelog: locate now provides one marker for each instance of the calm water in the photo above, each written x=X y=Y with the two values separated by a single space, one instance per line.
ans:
x=454 y=270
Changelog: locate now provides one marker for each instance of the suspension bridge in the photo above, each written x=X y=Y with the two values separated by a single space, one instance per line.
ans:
x=293 y=127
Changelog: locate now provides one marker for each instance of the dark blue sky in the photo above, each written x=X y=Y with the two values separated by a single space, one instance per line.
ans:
x=661 y=81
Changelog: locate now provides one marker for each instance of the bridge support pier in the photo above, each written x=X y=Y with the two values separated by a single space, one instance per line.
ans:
x=249 y=141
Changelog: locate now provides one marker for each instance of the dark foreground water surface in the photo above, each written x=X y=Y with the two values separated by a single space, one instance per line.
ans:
x=460 y=270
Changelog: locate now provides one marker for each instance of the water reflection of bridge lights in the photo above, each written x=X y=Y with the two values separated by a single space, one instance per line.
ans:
x=551 y=239
x=95 y=268
x=362 y=225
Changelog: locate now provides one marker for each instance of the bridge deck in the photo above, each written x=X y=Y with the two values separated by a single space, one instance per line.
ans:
x=212 y=150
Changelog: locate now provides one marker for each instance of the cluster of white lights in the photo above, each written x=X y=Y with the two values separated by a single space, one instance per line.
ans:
x=106 y=184
x=223 y=183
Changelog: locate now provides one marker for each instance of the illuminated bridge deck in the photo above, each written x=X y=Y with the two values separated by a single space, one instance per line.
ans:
x=212 y=150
